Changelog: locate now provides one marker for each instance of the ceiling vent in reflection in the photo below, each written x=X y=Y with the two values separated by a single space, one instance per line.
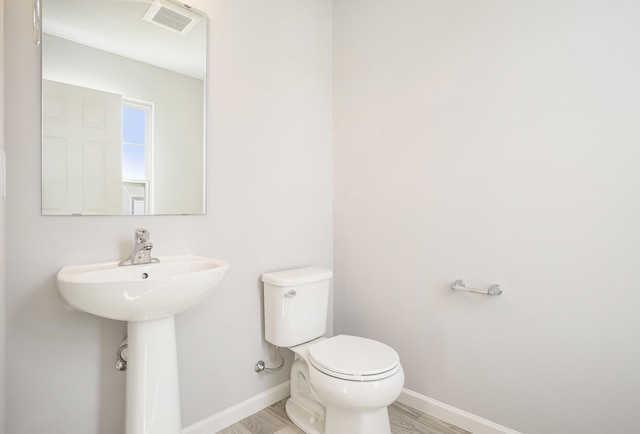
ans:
x=179 y=17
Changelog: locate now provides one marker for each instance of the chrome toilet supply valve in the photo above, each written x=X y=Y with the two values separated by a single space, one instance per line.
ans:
x=121 y=361
x=261 y=367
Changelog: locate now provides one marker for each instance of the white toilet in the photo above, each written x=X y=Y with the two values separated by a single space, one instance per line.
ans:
x=339 y=385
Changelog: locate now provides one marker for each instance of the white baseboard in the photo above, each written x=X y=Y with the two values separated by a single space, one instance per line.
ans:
x=454 y=416
x=442 y=411
x=236 y=413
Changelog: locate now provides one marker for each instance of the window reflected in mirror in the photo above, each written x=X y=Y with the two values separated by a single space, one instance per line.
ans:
x=137 y=152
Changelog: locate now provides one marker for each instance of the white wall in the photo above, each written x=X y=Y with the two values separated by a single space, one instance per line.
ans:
x=494 y=141
x=269 y=208
x=490 y=141
x=2 y=238
x=177 y=108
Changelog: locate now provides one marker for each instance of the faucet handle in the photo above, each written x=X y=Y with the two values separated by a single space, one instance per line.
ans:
x=141 y=236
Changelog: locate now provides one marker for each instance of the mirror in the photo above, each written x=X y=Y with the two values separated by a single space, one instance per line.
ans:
x=123 y=107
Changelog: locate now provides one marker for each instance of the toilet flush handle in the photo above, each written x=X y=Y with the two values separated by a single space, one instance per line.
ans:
x=291 y=293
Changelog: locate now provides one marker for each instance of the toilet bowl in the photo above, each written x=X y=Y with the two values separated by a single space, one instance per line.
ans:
x=341 y=384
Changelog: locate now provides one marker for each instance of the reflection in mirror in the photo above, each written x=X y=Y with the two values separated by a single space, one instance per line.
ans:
x=123 y=107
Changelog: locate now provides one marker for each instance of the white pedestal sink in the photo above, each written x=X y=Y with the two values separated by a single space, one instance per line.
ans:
x=147 y=296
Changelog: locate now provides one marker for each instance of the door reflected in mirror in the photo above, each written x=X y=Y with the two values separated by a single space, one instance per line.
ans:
x=123 y=107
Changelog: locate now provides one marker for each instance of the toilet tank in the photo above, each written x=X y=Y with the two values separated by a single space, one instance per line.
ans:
x=295 y=305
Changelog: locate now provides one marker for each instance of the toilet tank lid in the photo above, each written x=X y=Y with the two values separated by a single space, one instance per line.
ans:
x=298 y=276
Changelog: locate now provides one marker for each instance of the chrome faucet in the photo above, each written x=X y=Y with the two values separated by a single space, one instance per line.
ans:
x=141 y=249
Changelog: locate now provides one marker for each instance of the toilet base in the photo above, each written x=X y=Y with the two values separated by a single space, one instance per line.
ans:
x=304 y=419
x=302 y=407
x=339 y=420
x=344 y=420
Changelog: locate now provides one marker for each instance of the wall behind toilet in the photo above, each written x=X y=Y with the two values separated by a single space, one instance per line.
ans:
x=2 y=237
x=494 y=142
x=269 y=208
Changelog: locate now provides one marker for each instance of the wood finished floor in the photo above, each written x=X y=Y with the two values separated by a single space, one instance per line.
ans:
x=404 y=420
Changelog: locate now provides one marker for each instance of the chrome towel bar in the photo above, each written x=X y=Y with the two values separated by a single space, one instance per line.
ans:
x=494 y=289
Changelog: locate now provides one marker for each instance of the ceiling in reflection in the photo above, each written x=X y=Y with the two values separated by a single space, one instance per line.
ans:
x=90 y=22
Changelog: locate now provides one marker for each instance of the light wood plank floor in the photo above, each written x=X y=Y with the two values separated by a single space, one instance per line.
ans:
x=404 y=420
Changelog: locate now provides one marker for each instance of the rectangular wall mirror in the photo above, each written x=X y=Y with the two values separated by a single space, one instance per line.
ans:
x=123 y=107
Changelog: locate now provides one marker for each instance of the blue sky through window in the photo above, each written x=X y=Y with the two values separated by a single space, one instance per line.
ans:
x=133 y=136
x=133 y=125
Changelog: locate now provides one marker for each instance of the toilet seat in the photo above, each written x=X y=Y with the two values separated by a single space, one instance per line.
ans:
x=354 y=358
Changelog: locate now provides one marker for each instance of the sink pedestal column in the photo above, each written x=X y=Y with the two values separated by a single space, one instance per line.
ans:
x=153 y=395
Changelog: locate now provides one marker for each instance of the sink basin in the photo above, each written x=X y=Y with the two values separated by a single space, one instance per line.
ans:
x=141 y=292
